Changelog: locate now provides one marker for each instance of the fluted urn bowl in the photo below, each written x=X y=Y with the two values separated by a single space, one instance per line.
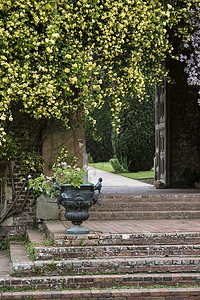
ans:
x=77 y=202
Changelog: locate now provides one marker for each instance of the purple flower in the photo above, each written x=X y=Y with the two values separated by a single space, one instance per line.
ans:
x=78 y=169
x=25 y=188
x=63 y=163
x=29 y=176
x=87 y=168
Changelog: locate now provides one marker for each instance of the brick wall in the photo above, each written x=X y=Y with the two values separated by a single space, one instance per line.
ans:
x=184 y=128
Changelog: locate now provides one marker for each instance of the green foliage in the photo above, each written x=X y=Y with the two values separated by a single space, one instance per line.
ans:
x=31 y=249
x=5 y=242
x=66 y=174
x=134 y=144
x=59 y=58
x=64 y=156
x=116 y=165
x=10 y=149
x=98 y=137
x=30 y=162
x=89 y=158
x=48 y=242
x=51 y=266
x=41 y=185
x=62 y=172
x=4 y=245
x=37 y=271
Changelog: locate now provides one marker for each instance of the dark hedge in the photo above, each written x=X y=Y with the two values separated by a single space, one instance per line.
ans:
x=135 y=143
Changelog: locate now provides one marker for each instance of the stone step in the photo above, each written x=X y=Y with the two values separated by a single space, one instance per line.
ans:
x=137 y=280
x=112 y=199
x=56 y=232
x=146 y=206
x=140 y=215
x=124 y=294
x=53 y=253
x=108 y=266
x=47 y=252
x=21 y=264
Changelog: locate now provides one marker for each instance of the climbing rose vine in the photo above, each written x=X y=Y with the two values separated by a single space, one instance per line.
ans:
x=58 y=58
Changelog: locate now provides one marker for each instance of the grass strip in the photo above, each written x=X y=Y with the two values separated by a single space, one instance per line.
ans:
x=106 y=166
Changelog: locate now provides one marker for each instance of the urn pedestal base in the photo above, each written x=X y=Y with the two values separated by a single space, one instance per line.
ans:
x=77 y=229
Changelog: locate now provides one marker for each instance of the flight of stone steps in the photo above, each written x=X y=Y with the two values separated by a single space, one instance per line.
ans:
x=108 y=263
x=145 y=207
x=112 y=264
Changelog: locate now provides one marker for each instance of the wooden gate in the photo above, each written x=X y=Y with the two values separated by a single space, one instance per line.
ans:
x=160 y=164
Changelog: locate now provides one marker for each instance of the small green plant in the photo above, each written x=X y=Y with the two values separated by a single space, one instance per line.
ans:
x=116 y=165
x=82 y=242
x=63 y=282
x=69 y=268
x=4 y=245
x=31 y=249
x=90 y=159
x=62 y=172
x=51 y=266
x=48 y=243
x=58 y=258
x=125 y=164
x=18 y=274
x=37 y=271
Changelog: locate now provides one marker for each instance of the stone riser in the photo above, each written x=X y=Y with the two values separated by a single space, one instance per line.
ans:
x=127 y=239
x=137 y=198
x=119 y=294
x=108 y=266
x=146 y=215
x=101 y=281
x=44 y=253
x=132 y=239
x=147 y=206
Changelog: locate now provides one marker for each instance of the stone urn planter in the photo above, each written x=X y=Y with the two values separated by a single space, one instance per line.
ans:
x=77 y=202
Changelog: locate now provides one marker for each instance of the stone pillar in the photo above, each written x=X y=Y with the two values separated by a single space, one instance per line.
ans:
x=57 y=136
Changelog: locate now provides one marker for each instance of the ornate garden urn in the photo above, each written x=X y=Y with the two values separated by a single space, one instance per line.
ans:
x=77 y=202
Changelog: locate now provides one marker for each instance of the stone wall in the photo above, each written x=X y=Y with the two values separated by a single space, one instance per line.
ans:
x=56 y=136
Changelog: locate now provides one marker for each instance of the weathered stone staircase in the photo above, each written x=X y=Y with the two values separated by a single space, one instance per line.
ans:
x=146 y=207
x=122 y=257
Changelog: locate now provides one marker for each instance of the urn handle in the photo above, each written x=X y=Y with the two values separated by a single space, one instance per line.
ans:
x=97 y=187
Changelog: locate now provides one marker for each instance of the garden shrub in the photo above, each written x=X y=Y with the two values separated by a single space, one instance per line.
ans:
x=118 y=168
x=135 y=142
x=98 y=138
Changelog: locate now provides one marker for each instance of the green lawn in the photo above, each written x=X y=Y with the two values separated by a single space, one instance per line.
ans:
x=106 y=166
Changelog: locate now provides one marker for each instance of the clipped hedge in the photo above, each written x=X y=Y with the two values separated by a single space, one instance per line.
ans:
x=135 y=142
x=98 y=138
